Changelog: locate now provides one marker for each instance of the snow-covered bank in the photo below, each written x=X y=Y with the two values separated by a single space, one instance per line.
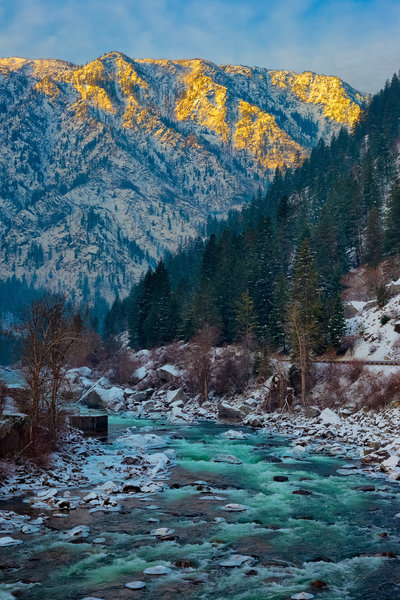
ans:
x=90 y=474
x=338 y=417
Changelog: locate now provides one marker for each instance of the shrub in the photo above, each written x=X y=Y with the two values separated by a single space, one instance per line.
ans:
x=353 y=371
x=378 y=392
x=232 y=371
x=384 y=319
x=122 y=367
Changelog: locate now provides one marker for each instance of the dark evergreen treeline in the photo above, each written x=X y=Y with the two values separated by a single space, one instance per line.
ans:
x=343 y=203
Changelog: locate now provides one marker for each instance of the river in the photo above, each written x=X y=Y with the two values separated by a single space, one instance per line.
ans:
x=330 y=532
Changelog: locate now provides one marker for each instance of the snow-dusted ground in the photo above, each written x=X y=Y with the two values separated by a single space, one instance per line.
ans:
x=374 y=328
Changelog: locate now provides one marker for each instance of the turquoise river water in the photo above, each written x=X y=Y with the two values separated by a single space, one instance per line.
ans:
x=339 y=535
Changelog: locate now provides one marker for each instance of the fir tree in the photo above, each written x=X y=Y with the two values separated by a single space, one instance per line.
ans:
x=373 y=238
x=337 y=324
x=304 y=314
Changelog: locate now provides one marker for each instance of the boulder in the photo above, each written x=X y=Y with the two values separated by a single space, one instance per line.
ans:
x=167 y=373
x=138 y=397
x=328 y=417
x=393 y=289
x=77 y=533
x=227 y=458
x=234 y=507
x=350 y=311
x=312 y=412
x=78 y=372
x=229 y=413
x=146 y=440
x=176 y=415
x=176 y=395
x=157 y=570
x=232 y=434
x=14 y=433
x=299 y=452
x=141 y=373
x=392 y=461
x=9 y=541
x=94 y=400
x=236 y=560
x=254 y=420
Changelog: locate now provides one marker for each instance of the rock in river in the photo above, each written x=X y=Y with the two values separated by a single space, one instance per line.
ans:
x=236 y=560
x=227 y=458
x=234 y=507
x=157 y=570
x=135 y=585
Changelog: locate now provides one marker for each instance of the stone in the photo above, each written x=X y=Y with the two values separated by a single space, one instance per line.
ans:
x=94 y=400
x=9 y=541
x=157 y=570
x=135 y=585
x=162 y=532
x=236 y=560
x=229 y=413
x=176 y=415
x=78 y=532
x=329 y=417
x=235 y=435
x=281 y=478
x=227 y=458
x=234 y=507
x=146 y=440
x=132 y=485
x=109 y=487
x=298 y=452
x=392 y=461
x=29 y=529
x=176 y=395
x=350 y=311
x=319 y=584
x=138 y=397
x=184 y=563
x=312 y=412
x=254 y=420
x=364 y=488
x=167 y=373
x=48 y=494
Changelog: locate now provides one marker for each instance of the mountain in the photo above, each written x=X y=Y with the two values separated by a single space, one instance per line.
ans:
x=280 y=264
x=107 y=165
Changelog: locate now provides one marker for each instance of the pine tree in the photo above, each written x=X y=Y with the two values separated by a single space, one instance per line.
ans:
x=337 y=324
x=304 y=314
x=373 y=238
x=245 y=315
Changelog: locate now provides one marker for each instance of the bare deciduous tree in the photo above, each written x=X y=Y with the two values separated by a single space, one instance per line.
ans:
x=200 y=360
x=49 y=332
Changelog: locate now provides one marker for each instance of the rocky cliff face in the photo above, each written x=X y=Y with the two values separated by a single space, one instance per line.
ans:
x=105 y=166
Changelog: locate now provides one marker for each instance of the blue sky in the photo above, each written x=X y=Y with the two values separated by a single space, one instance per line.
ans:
x=359 y=40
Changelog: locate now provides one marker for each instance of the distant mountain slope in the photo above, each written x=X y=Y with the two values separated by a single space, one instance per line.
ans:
x=106 y=166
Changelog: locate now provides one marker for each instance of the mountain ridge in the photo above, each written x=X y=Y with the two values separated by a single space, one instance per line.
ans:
x=109 y=164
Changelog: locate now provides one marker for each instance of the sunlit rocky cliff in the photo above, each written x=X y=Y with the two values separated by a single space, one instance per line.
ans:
x=107 y=165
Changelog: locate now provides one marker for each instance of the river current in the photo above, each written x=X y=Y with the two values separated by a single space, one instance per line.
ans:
x=320 y=531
